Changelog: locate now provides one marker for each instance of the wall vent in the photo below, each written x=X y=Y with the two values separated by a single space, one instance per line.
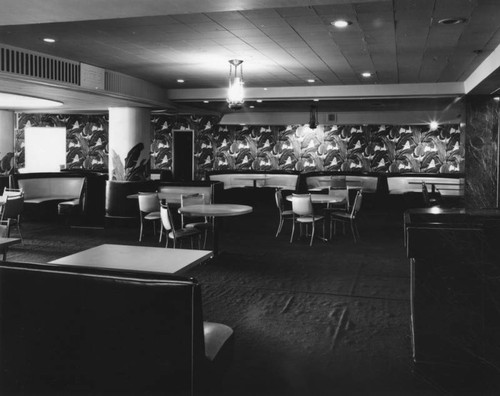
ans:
x=32 y=64
x=331 y=117
x=131 y=86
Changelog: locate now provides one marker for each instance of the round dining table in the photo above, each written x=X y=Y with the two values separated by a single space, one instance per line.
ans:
x=214 y=211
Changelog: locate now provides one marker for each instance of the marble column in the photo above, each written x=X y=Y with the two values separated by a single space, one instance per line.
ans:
x=7 y=119
x=481 y=152
x=129 y=144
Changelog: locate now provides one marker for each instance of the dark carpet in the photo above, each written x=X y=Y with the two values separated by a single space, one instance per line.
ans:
x=332 y=319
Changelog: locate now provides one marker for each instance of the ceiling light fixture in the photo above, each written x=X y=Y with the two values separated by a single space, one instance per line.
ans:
x=311 y=80
x=366 y=74
x=341 y=23
x=434 y=125
x=235 y=94
x=49 y=40
x=180 y=81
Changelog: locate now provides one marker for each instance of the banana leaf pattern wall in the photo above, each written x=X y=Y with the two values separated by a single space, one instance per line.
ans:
x=86 y=138
x=372 y=148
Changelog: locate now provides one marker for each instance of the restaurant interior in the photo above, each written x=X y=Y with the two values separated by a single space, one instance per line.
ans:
x=249 y=198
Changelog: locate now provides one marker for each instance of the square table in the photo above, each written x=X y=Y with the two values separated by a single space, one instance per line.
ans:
x=5 y=243
x=137 y=258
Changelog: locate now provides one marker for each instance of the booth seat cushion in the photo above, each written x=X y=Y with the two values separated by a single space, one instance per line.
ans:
x=69 y=207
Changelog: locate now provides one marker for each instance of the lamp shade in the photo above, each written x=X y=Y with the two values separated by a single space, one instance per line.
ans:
x=235 y=92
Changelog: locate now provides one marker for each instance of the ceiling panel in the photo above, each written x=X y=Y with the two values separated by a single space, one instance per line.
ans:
x=281 y=42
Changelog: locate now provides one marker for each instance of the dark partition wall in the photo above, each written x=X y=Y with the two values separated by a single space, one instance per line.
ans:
x=481 y=151
x=183 y=155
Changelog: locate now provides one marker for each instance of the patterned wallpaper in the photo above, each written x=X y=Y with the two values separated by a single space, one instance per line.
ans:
x=86 y=138
x=372 y=148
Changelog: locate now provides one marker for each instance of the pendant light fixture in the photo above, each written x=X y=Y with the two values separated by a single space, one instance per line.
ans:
x=235 y=94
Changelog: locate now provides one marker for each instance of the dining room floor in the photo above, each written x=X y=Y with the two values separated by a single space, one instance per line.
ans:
x=331 y=319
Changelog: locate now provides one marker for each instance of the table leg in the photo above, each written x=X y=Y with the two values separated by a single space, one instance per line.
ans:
x=215 y=236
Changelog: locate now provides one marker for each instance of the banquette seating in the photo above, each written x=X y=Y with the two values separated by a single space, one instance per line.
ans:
x=240 y=179
x=73 y=194
x=118 y=206
x=82 y=331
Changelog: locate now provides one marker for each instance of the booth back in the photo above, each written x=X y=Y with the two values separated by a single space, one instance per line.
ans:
x=70 y=331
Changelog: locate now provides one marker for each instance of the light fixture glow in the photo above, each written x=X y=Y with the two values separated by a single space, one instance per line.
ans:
x=366 y=74
x=433 y=125
x=49 y=40
x=341 y=23
x=235 y=93
x=206 y=101
x=496 y=98
x=180 y=81
x=311 y=80
x=20 y=102
x=259 y=101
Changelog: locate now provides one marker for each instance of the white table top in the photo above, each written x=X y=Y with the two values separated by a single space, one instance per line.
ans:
x=9 y=241
x=171 y=198
x=320 y=198
x=215 y=210
x=137 y=258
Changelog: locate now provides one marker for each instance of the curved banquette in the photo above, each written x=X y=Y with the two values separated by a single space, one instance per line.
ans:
x=448 y=184
x=120 y=207
x=239 y=179
x=368 y=182
x=71 y=193
x=67 y=330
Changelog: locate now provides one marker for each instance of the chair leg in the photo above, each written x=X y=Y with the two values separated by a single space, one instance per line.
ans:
x=293 y=230
x=140 y=233
x=312 y=233
x=161 y=233
x=280 y=225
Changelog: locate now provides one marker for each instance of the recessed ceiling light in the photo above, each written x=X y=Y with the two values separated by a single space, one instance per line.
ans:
x=311 y=80
x=315 y=100
x=180 y=81
x=49 y=40
x=206 y=101
x=366 y=74
x=496 y=98
x=341 y=23
x=252 y=107
x=259 y=100
x=451 y=21
x=433 y=125
x=265 y=89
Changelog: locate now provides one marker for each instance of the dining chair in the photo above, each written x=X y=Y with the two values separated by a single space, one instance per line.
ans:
x=12 y=209
x=285 y=214
x=203 y=224
x=4 y=233
x=429 y=200
x=348 y=217
x=303 y=213
x=172 y=232
x=149 y=210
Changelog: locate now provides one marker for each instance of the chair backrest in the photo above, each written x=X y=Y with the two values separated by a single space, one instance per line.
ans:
x=425 y=195
x=5 y=228
x=166 y=217
x=12 y=207
x=278 y=195
x=94 y=331
x=339 y=193
x=12 y=191
x=352 y=193
x=302 y=205
x=148 y=202
x=356 y=207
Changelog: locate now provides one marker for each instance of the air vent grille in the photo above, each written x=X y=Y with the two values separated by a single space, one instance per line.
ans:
x=33 y=64
x=131 y=86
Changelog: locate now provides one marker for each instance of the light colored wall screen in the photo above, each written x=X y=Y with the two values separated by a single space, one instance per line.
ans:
x=45 y=149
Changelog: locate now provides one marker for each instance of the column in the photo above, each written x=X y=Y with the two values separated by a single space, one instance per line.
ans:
x=481 y=152
x=129 y=143
x=7 y=119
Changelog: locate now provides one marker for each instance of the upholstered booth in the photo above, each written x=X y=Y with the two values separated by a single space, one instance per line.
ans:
x=239 y=179
x=76 y=331
x=75 y=194
x=212 y=190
